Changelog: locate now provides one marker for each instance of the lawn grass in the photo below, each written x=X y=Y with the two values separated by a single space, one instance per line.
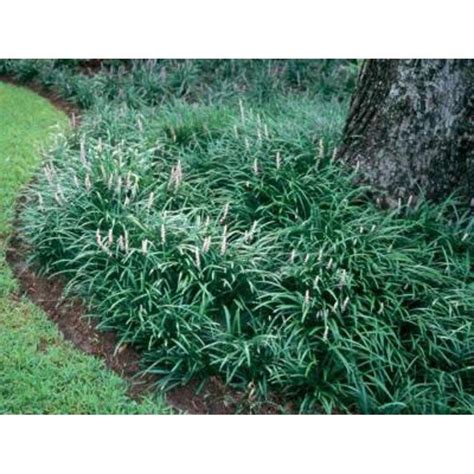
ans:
x=39 y=371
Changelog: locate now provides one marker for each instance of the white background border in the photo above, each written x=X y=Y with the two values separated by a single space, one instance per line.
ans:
x=236 y=444
x=240 y=444
x=237 y=29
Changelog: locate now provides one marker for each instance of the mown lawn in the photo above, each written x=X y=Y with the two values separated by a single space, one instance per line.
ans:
x=39 y=371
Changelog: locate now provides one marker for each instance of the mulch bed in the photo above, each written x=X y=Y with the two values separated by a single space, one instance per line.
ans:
x=211 y=396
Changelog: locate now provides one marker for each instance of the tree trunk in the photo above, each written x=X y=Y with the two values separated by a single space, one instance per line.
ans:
x=411 y=127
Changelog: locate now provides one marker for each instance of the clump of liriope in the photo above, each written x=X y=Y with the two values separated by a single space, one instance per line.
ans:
x=219 y=240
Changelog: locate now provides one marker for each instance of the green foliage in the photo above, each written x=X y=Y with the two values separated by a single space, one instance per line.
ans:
x=217 y=234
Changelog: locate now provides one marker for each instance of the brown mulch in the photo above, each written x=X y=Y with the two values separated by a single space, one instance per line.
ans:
x=211 y=396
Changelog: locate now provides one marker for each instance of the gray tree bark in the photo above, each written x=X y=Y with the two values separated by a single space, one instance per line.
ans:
x=410 y=128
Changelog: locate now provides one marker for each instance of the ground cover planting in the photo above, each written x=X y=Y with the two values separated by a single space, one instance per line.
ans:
x=200 y=211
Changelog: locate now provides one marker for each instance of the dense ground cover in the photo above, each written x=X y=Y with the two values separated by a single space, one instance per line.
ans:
x=39 y=371
x=200 y=210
